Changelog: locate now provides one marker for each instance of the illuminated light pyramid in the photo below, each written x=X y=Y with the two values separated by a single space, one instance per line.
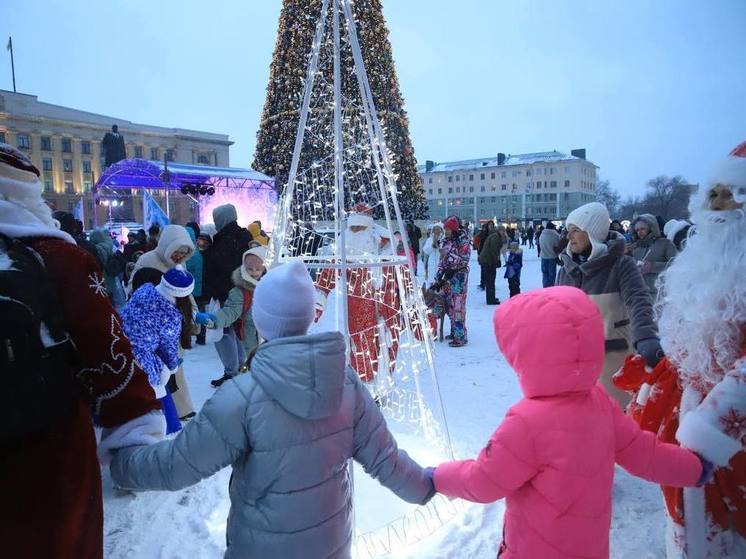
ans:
x=341 y=177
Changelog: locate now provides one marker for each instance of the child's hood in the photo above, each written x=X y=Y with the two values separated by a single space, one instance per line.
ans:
x=554 y=340
x=304 y=374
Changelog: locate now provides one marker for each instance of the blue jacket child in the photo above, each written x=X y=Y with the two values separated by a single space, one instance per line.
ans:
x=513 y=268
x=153 y=324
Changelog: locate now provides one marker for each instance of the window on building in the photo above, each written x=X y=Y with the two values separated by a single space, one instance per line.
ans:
x=170 y=155
x=430 y=180
x=69 y=187
x=450 y=179
x=450 y=190
x=492 y=175
x=440 y=191
x=471 y=177
x=493 y=199
x=46 y=164
x=48 y=186
x=494 y=188
x=205 y=160
x=481 y=176
x=86 y=166
x=138 y=152
x=483 y=188
x=23 y=141
x=87 y=185
x=471 y=189
x=153 y=153
x=504 y=187
x=553 y=184
x=458 y=178
x=2 y=137
x=85 y=148
x=46 y=143
x=528 y=172
x=67 y=145
x=551 y=170
x=567 y=183
x=67 y=165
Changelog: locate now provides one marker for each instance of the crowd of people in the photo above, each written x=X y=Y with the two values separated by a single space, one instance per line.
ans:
x=96 y=336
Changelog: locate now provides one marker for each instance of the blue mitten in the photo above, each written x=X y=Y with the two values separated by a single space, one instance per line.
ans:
x=204 y=318
x=651 y=351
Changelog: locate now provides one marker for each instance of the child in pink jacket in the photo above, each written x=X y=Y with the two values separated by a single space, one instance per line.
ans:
x=553 y=456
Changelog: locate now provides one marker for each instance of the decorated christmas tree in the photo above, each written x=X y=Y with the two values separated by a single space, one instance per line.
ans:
x=341 y=172
x=276 y=136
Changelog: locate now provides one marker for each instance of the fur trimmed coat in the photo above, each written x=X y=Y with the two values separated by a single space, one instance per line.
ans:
x=52 y=484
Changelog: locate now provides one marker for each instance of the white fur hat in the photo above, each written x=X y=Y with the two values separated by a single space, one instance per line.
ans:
x=731 y=171
x=359 y=220
x=593 y=218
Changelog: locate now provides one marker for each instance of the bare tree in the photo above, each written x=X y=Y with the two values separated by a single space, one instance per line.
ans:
x=668 y=197
x=608 y=196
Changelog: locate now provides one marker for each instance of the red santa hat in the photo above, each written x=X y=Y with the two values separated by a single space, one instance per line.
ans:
x=731 y=171
x=361 y=216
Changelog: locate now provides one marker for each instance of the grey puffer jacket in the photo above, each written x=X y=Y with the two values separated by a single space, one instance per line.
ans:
x=613 y=281
x=654 y=251
x=288 y=428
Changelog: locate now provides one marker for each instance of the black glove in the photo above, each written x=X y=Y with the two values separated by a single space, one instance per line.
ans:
x=651 y=351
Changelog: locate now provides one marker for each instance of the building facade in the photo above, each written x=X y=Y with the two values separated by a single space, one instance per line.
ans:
x=65 y=144
x=510 y=189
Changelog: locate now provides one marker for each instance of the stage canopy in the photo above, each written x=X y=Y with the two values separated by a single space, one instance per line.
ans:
x=139 y=173
x=252 y=193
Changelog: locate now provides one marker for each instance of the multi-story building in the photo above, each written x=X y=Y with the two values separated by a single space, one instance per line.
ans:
x=511 y=189
x=65 y=144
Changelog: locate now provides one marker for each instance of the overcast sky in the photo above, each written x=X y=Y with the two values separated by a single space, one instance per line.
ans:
x=647 y=87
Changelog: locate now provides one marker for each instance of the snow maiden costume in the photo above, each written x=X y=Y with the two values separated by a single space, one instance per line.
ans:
x=288 y=429
x=51 y=483
x=153 y=324
x=697 y=396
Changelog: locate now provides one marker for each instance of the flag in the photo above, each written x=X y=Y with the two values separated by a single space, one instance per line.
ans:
x=79 y=212
x=152 y=214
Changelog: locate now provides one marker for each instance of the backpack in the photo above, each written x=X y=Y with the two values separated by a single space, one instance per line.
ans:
x=116 y=264
x=37 y=380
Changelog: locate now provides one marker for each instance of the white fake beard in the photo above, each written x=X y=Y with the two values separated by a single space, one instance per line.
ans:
x=362 y=243
x=702 y=299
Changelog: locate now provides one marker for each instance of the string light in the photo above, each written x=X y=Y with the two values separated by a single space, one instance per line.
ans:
x=392 y=347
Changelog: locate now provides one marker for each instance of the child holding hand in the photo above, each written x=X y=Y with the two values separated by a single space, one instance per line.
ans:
x=553 y=456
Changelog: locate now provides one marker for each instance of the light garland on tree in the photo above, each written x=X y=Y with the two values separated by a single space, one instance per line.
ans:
x=282 y=107
x=341 y=162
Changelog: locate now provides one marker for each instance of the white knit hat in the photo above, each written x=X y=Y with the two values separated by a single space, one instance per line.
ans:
x=284 y=301
x=731 y=171
x=593 y=218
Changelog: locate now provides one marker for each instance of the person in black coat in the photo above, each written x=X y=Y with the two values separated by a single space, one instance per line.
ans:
x=224 y=256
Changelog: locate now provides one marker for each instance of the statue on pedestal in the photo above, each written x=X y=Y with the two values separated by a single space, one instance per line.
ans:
x=113 y=146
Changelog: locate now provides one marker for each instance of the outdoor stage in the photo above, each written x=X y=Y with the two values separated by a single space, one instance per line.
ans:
x=185 y=192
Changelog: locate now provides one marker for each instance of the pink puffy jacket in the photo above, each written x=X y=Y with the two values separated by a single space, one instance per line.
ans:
x=553 y=456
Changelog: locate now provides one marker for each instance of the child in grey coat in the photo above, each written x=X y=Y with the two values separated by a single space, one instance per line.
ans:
x=288 y=430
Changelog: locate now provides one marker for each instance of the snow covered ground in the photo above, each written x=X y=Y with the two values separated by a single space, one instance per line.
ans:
x=478 y=388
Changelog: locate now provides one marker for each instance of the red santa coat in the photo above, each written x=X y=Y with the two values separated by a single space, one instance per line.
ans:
x=51 y=485
x=370 y=301
x=715 y=428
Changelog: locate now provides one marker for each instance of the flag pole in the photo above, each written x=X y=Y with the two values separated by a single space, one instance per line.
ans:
x=12 y=62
